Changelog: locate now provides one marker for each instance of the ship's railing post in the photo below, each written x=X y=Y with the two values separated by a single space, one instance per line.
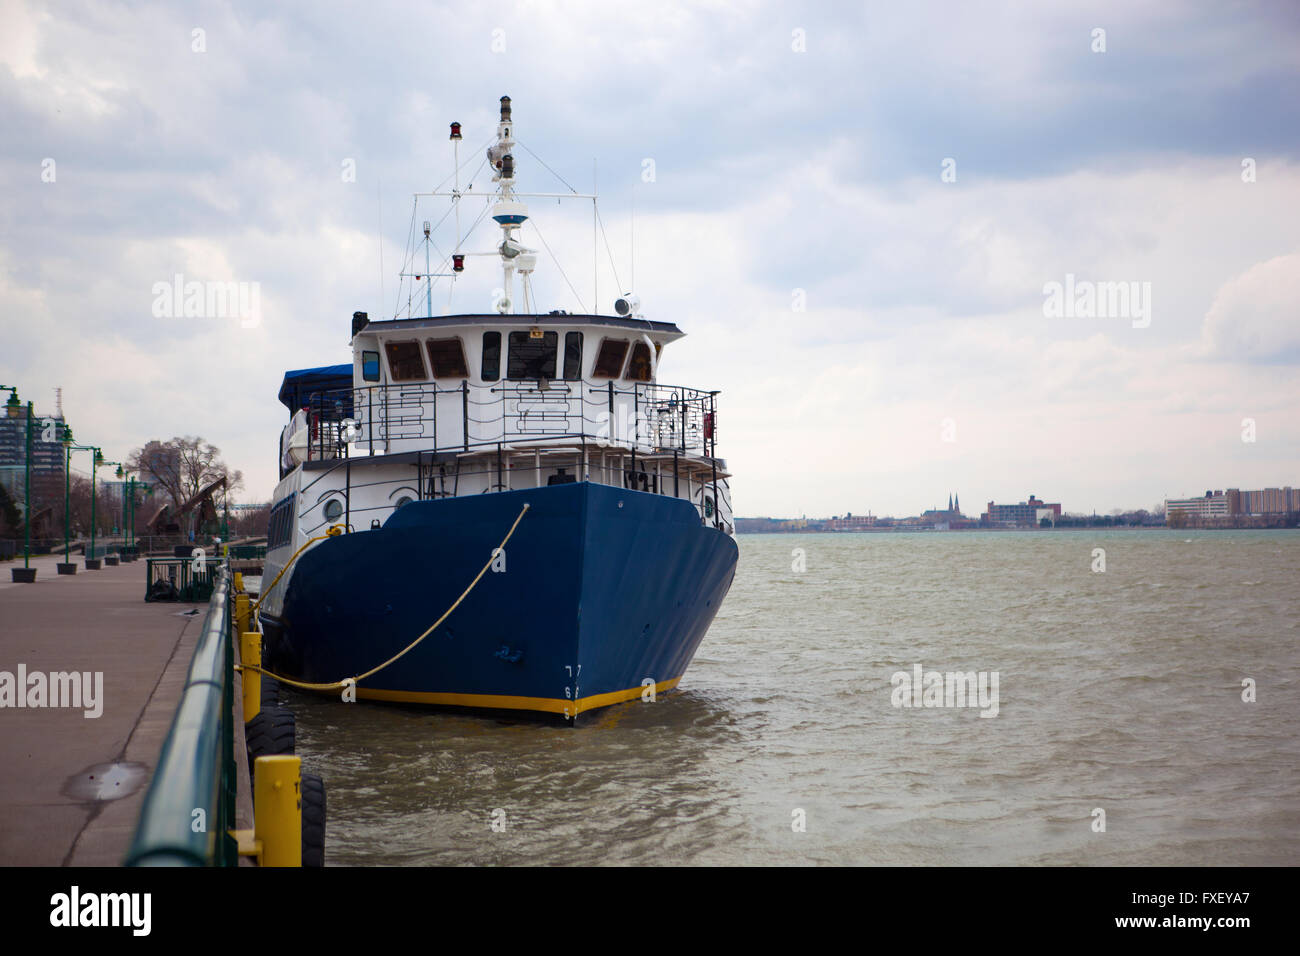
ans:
x=716 y=516
x=370 y=417
x=713 y=426
x=682 y=440
x=464 y=412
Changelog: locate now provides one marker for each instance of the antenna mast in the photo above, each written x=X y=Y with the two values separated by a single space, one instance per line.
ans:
x=509 y=213
x=457 y=260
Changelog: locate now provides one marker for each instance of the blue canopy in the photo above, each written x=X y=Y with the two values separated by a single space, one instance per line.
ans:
x=298 y=385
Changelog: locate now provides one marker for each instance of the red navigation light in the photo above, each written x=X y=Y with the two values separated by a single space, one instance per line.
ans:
x=457 y=262
x=455 y=131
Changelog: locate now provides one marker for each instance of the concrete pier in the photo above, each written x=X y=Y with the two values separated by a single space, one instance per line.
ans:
x=90 y=622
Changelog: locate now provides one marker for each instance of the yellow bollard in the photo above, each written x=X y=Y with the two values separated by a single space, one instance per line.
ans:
x=277 y=809
x=241 y=613
x=239 y=583
x=250 y=655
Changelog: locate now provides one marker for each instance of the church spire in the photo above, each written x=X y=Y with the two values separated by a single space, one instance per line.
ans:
x=950 y=501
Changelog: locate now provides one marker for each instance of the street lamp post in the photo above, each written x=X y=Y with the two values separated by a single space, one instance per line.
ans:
x=128 y=508
x=26 y=574
x=96 y=457
x=68 y=567
x=129 y=520
x=148 y=491
x=92 y=563
x=27 y=494
x=112 y=559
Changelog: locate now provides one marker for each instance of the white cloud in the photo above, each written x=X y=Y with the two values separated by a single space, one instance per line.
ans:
x=1256 y=315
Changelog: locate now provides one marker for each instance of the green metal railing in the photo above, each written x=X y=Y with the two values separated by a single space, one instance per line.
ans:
x=175 y=579
x=246 y=551
x=189 y=808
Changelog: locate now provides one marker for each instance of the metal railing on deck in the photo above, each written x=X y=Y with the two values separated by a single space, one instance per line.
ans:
x=194 y=782
x=637 y=415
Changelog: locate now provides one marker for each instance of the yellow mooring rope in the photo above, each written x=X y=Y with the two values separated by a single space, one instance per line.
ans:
x=339 y=684
x=262 y=597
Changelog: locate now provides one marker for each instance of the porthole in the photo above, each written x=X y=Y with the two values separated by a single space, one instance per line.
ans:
x=333 y=509
x=402 y=502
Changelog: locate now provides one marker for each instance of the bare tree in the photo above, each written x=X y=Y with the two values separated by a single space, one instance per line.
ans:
x=183 y=467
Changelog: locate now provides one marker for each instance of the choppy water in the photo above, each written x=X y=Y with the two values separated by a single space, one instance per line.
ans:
x=1119 y=690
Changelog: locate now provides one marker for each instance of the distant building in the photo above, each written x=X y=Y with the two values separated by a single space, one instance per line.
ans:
x=1268 y=501
x=1214 y=504
x=1233 y=502
x=1025 y=513
x=47 y=457
x=851 y=522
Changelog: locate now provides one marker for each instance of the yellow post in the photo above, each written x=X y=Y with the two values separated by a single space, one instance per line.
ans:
x=241 y=613
x=277 y=809
x=239 y=583
x=250 y=655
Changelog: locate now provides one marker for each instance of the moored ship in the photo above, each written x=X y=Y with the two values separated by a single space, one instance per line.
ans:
x=405 y=470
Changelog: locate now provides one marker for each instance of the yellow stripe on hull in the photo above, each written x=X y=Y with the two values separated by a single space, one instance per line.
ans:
x=550 y=705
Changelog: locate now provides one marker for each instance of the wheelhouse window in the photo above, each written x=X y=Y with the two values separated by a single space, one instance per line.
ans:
x=404 y=361
x=491 y=366
x=532 y=356
x=638 y=369
x=609 y=360
x=370 y=366
x=447 y=358
x=572 y=356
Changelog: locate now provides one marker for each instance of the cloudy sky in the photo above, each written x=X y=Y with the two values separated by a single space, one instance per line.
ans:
x=853 y=210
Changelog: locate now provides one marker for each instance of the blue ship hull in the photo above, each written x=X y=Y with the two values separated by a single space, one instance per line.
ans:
x=603 y=591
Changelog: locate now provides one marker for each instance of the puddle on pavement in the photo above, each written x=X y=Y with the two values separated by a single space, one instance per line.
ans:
x=106 y=781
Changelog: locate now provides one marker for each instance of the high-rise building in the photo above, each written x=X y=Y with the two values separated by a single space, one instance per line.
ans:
x=47 y=455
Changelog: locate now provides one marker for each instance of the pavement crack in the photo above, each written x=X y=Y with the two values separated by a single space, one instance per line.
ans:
x=97 y=807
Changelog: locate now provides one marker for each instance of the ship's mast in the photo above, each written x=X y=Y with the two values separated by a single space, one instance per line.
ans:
x=510 y=213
